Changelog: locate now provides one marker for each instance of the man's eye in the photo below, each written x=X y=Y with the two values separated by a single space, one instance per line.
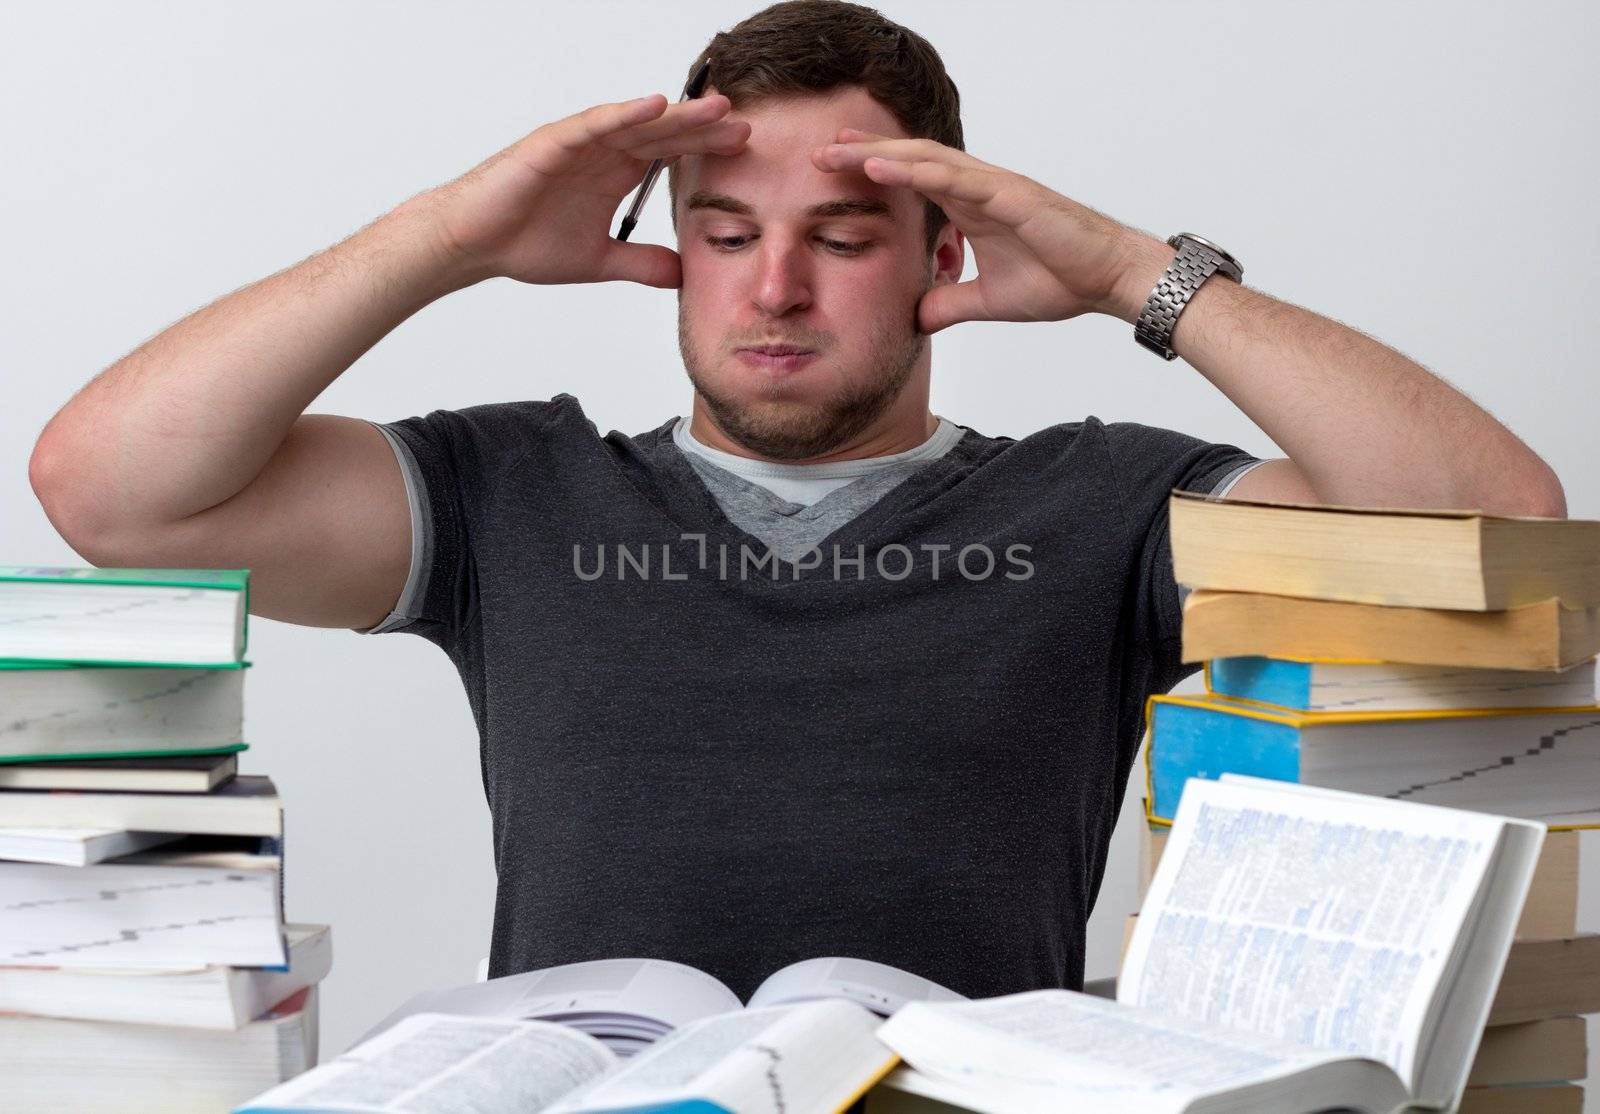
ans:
x=843 y=247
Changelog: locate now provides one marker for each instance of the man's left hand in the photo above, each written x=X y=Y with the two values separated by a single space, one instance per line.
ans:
x=1040 y=256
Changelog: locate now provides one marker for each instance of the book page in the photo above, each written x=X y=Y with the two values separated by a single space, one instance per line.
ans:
x=877 y=986
x=1059 y=1050
x=1320 y=917
x=808 y=1057
x=632 y=1001
x=673 y=1064
x=437 y=1064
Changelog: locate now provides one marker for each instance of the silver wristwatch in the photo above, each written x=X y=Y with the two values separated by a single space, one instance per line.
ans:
x=1196 y=261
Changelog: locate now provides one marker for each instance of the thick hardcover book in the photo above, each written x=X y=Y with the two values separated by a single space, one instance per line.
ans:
x=54 y=1065
x=1540 y=764
x=247 y=805
x=1539 y=636
x=179 y=617
x=184 y=773
x=197 y=901
x=1325 y=685
x=56 y=711
x=197 y=996
x=1460 y=560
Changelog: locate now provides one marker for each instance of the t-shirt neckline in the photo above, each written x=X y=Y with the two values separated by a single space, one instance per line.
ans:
x=685 y=485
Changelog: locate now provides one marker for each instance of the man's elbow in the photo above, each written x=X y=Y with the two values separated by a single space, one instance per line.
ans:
x=1537 y=492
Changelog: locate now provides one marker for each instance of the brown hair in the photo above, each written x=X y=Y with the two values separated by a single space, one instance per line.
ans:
x=810 y=47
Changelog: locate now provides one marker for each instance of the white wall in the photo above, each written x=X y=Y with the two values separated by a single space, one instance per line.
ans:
x=1424 y=172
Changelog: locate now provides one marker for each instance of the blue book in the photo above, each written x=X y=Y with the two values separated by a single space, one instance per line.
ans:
x=1539 y=764
x=1334 y=685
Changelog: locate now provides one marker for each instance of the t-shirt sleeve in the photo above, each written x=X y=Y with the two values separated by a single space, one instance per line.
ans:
x=1147 y=463
x=440 y=594
x=452 y=462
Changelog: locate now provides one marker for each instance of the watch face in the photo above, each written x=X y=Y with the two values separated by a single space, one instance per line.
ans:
x=1228 y=261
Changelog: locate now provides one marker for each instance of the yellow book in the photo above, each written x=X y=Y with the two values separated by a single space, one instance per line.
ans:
x=1549 y=1051
x=1461 y=560
x=1546 y=1098
x=1549 y=978
x=1542 y=635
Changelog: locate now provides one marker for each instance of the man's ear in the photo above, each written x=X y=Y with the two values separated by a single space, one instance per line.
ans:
x=949 y=255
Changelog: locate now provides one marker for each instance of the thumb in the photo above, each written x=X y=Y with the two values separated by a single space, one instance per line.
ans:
x=650 y=264
x=946 y=305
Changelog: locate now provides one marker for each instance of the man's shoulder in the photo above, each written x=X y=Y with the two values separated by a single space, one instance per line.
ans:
x=491 y=430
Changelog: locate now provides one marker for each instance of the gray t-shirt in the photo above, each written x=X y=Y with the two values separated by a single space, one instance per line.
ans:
x=907 y=744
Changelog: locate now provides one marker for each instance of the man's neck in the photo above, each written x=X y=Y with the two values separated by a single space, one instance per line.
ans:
x=883 y=439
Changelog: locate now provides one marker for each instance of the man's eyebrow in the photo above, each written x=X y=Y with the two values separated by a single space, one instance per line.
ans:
x=838 y=207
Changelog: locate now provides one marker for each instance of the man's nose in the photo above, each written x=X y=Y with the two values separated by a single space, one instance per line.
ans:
x=783 y=279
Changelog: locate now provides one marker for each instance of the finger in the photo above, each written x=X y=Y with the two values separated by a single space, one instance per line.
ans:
x=725 y=137
x=650 y=264
x=938 y=180
x=680 y=117
x=595 y=123
x=943 y=306
x=849 y=155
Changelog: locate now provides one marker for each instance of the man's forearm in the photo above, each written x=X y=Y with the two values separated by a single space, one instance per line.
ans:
x=191 y=417
x=1364 y=424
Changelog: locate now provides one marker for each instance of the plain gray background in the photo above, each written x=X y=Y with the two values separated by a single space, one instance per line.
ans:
x=1423 y=172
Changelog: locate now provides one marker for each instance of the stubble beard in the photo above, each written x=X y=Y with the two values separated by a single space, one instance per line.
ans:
x=786 y=429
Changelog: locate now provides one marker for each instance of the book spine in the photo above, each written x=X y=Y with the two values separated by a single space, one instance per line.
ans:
x=1286 y=684
x=1188 y=740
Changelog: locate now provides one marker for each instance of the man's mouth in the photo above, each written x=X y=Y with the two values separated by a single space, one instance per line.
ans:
x=777 y=350
x=777 y=359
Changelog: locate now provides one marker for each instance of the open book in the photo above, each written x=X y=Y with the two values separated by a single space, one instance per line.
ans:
x=622 y=1034
x=1300 y=950
x=629 y=1003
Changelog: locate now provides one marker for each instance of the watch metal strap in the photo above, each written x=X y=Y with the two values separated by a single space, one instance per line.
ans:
x=1193 y=264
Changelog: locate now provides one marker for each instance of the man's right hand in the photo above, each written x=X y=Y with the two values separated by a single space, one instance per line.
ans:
x=540 y=211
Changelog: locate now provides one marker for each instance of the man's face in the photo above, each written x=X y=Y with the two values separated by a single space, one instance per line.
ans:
x=763 y=265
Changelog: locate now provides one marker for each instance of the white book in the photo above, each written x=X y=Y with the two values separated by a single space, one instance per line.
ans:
x=623 y=1034
x=53 y=1066
x=210 y=996
x=1299 y=950
x=629 y=1003
x=245 y=806
x=181 y=773
x=812 y=1058
x=198 y=901
x=74 y=846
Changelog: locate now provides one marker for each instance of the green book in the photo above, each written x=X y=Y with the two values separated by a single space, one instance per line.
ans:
x=124 y=616
x=58 y=711
x=238 y=579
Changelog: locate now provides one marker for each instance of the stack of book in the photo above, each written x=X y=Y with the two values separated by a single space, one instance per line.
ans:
x=1437 y=657
x=144 y=959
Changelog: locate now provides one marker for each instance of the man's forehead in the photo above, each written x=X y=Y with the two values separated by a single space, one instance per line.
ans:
x=774 y=171
x=821 y=114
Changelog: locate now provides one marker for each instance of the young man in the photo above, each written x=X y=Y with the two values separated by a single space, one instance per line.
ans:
x=812 y=672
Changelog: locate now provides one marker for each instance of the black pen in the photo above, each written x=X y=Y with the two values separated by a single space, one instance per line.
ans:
x=696 y=86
